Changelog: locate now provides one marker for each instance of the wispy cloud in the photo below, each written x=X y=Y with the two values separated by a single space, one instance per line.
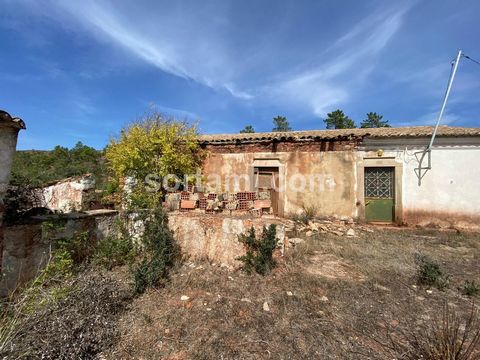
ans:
x=168 y=41
x=346 y=63
x=195 y=45
x=449 y=118
x=179 y=113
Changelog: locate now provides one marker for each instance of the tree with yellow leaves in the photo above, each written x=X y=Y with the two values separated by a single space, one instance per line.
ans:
x=155 y=145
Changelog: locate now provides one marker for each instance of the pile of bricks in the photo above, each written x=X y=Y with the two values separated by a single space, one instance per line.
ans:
x=246 y=201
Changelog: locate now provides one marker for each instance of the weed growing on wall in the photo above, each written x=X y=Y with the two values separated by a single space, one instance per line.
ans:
x=115 y=250
x=259 y=254
x=52 y=284
x=159 y=251
x=309 y=213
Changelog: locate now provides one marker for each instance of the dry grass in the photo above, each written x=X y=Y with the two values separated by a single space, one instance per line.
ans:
x=330 y=298
x=79 y=325
x=329 y=317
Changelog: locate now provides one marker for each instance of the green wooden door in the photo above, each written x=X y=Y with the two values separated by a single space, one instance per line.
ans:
x=379 y=194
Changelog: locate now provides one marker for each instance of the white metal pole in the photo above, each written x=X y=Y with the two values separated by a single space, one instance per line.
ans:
x=447 y=93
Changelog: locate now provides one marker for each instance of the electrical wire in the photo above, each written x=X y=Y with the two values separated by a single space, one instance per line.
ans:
x=469 y=58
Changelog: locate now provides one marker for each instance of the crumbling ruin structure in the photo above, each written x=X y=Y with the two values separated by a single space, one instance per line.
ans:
x=9 y=128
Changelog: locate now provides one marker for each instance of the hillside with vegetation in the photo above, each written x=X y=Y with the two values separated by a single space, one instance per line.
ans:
x=38 y=168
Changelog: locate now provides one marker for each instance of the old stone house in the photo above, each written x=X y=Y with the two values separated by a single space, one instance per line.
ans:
x=364 y=174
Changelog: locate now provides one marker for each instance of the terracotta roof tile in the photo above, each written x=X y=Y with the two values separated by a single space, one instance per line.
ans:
x=393 y=132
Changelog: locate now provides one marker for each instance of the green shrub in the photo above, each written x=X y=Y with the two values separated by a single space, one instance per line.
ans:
x=68 y=254
x=52 y=283
x=430 y=273
x=159 y=251
x=112 y=187
x=259 y=255
x=471 y=288
x=114 y=251
x=80 y=247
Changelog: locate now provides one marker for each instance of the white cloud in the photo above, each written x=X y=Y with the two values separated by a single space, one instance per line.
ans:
x=449 y=118
x=348 y=61
x=171 y=40
x=196 y=44
x=180 y=113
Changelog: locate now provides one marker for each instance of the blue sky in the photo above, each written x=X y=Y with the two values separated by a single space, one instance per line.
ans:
x=80 y=70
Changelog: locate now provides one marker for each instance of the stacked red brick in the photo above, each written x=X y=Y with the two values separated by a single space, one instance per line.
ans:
x=211 y=202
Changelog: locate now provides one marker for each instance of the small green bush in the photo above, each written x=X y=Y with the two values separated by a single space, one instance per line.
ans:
x=430 y=273
x=259 y=255
x=80 y=247
x=68 y=254
x=112 y=187
x=53 y=281
x=114 y=251
x=159 y=251
x=471 y=288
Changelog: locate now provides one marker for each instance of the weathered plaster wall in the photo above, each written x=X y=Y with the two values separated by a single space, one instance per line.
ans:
x=215 y=237
x=67 y=195
x=27 y=247
x=8 y=145
x=325 y=179
x=330 y=182
x=448 y=193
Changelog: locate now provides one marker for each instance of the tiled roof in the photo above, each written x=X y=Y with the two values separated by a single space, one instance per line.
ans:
x=393 y=132
x=5 y=117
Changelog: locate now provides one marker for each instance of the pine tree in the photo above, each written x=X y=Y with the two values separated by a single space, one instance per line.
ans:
x=374 y=120
x=248 y=129
x=338 y=120
x=281 y=124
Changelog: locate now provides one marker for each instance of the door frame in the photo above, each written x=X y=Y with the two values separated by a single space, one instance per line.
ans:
x=274 y=195
x=272 y=162
x=397 y=173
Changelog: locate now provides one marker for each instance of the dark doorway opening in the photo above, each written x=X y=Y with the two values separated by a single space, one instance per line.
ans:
x=266 y=179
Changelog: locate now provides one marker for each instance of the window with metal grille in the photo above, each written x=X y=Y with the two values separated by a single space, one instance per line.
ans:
x=379 y=182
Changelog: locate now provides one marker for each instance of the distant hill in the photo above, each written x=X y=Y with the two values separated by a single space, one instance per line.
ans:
x=40 y=167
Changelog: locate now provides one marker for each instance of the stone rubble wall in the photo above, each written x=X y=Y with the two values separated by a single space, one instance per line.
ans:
x=28 y=247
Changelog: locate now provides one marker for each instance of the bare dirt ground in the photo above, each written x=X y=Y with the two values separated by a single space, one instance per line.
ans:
x=332 y=297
